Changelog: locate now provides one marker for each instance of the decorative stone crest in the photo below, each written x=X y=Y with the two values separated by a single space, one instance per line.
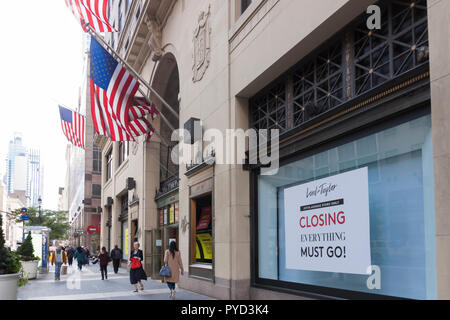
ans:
x=155 y=41
x=184 y=224
x=202 y=45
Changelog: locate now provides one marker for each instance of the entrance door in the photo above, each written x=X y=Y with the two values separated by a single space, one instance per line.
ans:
x=171 y=233
x=148 y=252
x=157 y=246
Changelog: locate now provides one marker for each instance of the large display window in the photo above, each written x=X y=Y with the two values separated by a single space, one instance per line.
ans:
x=375 y=198
x=201 y=231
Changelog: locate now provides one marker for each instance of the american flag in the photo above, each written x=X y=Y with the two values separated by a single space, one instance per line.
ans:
x=116 y=111
x=93 y=12
x=73 y=126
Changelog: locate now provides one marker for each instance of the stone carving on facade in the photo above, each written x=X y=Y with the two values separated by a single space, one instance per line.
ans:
x=184 y=224
x=202 y=45
x=155 y=41
x=134 y=147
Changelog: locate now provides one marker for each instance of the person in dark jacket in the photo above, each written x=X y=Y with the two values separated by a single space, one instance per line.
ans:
x=137 y=272
x=70 y=254
x=81 y=257
x=103 y=258
x=116 y=255
x=88 y=255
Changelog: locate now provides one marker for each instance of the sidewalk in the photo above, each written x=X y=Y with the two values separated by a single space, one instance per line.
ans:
x=87 y=285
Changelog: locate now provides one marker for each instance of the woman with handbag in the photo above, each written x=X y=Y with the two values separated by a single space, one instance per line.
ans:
x=172 y=259
x=137 y=272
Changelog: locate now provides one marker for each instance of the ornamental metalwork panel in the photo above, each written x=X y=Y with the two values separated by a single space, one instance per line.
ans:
x=269 y=108
x=351 y=64
x=318 y=86
x=400 y=45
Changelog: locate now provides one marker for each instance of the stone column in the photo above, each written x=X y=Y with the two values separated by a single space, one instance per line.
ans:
x=439 y=33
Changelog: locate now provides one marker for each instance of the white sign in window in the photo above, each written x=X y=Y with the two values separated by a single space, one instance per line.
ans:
x=327 y=224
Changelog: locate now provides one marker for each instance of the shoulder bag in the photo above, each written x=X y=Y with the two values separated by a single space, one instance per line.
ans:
x=165 y=271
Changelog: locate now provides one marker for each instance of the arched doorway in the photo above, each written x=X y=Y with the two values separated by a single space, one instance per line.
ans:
x=166 y=82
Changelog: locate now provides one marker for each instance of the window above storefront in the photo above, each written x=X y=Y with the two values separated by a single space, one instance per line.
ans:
x=109 y=168
x=352 y=64
x=97 y=160
x=245 y=4
x=124 y=152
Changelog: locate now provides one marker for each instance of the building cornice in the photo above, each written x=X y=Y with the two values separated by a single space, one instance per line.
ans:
x=145 y=33
x=100 y=141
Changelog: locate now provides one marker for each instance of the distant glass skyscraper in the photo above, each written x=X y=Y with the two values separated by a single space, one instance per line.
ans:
x=35 y=177
x=24 y=172
x=16 y=165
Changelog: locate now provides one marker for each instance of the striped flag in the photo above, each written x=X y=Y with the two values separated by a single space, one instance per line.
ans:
x=73 y=126
x=93 y=12
x=116 y=112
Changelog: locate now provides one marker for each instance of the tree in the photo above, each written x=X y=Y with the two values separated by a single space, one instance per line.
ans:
x=26 y=250
x=4 y=253
x=55 y=220
x=9 y=261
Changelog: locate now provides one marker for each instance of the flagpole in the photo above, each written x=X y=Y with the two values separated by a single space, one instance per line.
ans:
x=97 y=37
x=163 y=141
x=160 y=113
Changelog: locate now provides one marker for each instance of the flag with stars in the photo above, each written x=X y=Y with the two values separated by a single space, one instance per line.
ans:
x=116 y=111
x=73 y=126
x=94 y=12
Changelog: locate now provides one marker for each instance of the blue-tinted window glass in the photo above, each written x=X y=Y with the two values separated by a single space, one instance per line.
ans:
x=401 y=211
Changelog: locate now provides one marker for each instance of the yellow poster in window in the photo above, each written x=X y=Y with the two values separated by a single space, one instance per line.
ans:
x=204 y=249
x=198 y=255
x=126 y=249
x=172 y=215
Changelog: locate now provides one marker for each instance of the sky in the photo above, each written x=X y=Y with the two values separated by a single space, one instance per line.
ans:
x=41 y=65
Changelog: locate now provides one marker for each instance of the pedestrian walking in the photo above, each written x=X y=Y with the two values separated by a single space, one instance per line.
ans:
x=103 y=258
x=116 y=255
x=70 y=254
x=88 y=255
x=81 y=257
x=137 y=272
x=172 y=258
x=59 y=257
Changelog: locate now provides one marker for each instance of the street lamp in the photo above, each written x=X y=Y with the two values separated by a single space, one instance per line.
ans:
x=39 y=212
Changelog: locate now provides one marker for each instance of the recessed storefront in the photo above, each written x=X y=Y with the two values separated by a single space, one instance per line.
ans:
x=167 y=231
x=201 y=236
